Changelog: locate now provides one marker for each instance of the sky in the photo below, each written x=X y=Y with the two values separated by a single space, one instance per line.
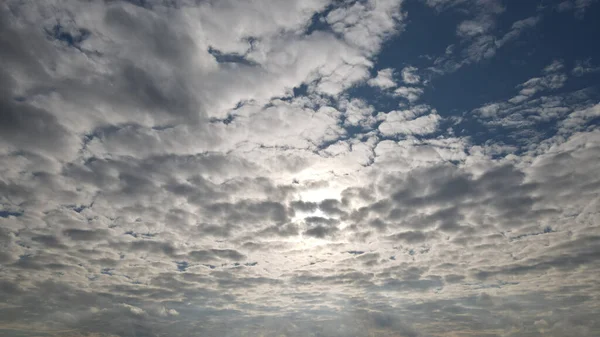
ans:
x=309 y=168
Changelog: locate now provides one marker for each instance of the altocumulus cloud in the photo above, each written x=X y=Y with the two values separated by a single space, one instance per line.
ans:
x=299 y=168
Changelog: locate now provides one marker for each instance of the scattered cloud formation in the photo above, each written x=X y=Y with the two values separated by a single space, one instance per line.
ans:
x=583 y=67
x=299 y=168
x=411 y=94
x=384 y=79
x=577 y=6
x=479 y=38
x=410 y=76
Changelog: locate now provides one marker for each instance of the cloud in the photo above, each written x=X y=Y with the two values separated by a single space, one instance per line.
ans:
x=367 y=24
x=538 y=84
x=383 y=80
x=528 y=108
x=410 y=122
x=133 y=309
x=479 y=39
x=553 y=67
x=518 y=27
x=471 y=28
x=222 y=168
x=409 y=75
x=411 y=94
x=583 y=67
x=578 y=6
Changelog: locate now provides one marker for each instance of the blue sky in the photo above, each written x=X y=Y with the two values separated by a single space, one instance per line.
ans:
x=412 y=168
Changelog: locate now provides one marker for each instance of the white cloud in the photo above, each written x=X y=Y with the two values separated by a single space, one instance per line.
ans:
x=357 y=112
x=412 y=94
x=577 y=120
x=518 y=27
x=470 y=28
x=410 y=76
x=551 y=81
x=133 y=309
x=553 y=67
x=409 y=122
x=481 y=43
x=583 y=67
x=384 y=79
x=366 y=24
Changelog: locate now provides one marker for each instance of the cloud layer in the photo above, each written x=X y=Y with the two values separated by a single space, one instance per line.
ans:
x=257 y=168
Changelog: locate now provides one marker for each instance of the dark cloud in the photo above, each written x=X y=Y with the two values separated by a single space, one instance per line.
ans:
x=149 y=246
x=304 y=206
x=331 y=207
x=49 y=241
x=282 y=230
x=321 y=231
x=25 y=127
x=85 y=234
x=411 y=237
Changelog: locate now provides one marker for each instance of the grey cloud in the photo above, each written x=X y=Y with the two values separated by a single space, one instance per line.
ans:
x=249 y=212
x=247 y=282
x=148 y=246
x=27 y=127
x=318 y=220
x=282 y=230
x=455 y=195
x=18 y=54
x=216 y=254
x=368 y=259
x=453 y=278
x=419 y=285
x=587 y=254
x=216 y=230
x=331 y=207
x=49 y=241
x=321 y=227
x=343 y=277
x=85 y=234
x=321 y=231
x=411 y=237
x=501 y=188
x=384 y=320
x=304 y=206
